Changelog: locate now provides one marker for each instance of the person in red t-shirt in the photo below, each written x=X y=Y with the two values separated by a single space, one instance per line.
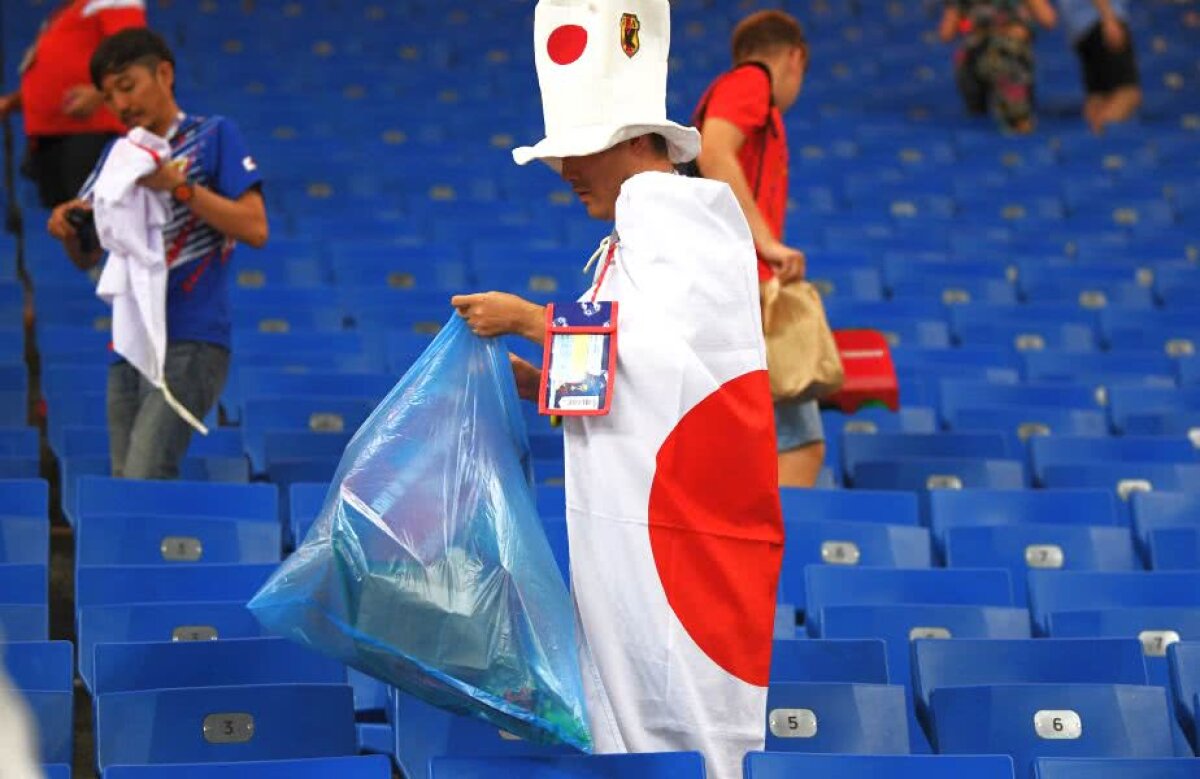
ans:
x=65 y=118
x=745 y=145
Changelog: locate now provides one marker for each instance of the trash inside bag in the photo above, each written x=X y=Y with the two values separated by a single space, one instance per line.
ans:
x=428 y=567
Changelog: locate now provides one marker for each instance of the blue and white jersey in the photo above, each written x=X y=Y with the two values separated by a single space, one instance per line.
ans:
x=215 y=156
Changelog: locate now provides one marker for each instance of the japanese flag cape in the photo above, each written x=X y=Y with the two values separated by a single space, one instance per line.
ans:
x=673 y=508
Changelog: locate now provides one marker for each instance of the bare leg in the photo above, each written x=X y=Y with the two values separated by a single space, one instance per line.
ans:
x=801 y=467
x=1091 y=110
x=1119 y=105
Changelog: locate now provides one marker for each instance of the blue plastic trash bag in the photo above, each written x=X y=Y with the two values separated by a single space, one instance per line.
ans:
x=428 y=567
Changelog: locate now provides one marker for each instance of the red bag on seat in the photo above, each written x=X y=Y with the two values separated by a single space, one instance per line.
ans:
x=870 y=374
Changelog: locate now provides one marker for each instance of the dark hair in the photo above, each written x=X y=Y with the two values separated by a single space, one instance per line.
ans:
x=764 y=31
x=133 y=46
x=659 y=145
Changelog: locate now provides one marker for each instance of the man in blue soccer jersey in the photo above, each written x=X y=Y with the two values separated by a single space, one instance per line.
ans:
x=216 y=202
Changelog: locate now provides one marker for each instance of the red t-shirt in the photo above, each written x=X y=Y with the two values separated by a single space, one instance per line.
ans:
x=61 y=56
x=743 y=97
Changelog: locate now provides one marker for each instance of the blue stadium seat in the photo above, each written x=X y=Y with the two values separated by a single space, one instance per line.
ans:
x=43 y=672
x=106 y=539
x=1022 y=548
x=1124 y=478
x=424 y=732
x=24 y=607
x=830 y=586
x=158 y=622
x=304 y=504
x=1051 y=451
x=1175 y=549
x=820 y=660
x=255 y=382
x=1183 y=662
x=24 y=522
x=1156 y=627
x=1160 y=510
x=135 y=667
x=323 y=415
x=942 y=473
x=835 y=718
x=224 y=724
x=959 y=395
x=1023 y=424
x=888 y=447
x=889 y=508
x=98 y=495
x=850 y=544
x=939 y=665
x=1103 y=368
x=1056 y=591
x=1135 y=409
x=781 y=765
x=949 y=509
x=667 y=765
x=363 y=767
x=102 y=585
x=1114 y=768
x=1113 y=720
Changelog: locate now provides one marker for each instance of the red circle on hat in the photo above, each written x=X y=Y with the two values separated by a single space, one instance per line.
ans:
x=566 y=44
x=716 y=528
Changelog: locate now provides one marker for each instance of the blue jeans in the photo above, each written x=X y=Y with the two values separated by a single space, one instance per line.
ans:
x=797 y=424
x=147 y=439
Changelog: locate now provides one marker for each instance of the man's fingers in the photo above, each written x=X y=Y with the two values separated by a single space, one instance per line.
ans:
x=463 y=301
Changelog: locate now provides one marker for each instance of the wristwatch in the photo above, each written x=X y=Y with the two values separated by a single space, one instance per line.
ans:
x=184 y=193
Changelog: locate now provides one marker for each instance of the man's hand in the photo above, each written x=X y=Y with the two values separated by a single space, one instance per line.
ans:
x=1116 y=38
x=58 y=226
x=81 y=101
x=9 y=103
x=490 y=314
x=528 y=378
x=166 y=178
x=789 y=264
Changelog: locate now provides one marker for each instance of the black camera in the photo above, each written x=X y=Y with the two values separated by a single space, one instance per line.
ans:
x=84 y=222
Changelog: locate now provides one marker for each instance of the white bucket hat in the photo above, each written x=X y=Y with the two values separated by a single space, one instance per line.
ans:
x=602 y=66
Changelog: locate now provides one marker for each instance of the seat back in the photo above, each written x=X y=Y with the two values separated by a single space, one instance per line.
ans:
x=957 y=508
x=1115 y=768
x=143 y=540
x=837 y=718
x=848 y=544
x=1052 y=591
x=362 y=767
x=783 y=765
x=667 y=765
x=824 y=660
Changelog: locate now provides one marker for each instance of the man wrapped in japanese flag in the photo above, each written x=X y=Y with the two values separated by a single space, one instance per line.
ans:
x=674 y=523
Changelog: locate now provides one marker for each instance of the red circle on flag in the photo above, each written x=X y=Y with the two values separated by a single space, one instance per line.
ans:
x=716 y=527
x=566 y=44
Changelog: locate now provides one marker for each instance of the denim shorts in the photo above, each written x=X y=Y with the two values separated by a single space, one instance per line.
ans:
x=797 y=424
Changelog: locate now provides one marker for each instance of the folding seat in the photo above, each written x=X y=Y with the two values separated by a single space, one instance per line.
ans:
x=820 y=660
x=1189 y=371
x=59 y=344
x=135 y=667
x=224 y=724
x=319 y=415
x=1123 y=478
x=836 y=718
x=957 y=396
x=1028 y=721
x=1175 y=332
x=803 y=505
x=1115 y=768
x=1175 y=549
x=250 y=345
x=43 y=673
x=938 y=665
x=258 y=382
x=847 y=544
x=535 y=281
x=305 y=500
x=998 y=361
x=1134 y=410
x=101 y=495
x=1050 y=451
x=201 y=621
x=24 y=607
x=782 y=765
x=24 y=522
x=361 y=767
x=102 y=585
x=303 y=456
x=1022 y=548
x=956 y=290
x=862 y=284
x=1183 y=663
x=1089 y=295
x=385 y=264
x=1131 y=368
x=666 y=765
x=1032 y=336
x=888 y=447
x=424 y=732
x=941 y=473
x=1057 y=591
x=1022 y=425
x=963 y=318
x=829 y=586
x=950 y=509
x=1156 y=628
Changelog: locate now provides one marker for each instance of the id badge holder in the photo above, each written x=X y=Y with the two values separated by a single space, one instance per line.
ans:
x=579 y=363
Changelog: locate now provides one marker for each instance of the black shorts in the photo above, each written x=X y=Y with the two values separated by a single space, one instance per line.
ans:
x=60 y=164
x=1105 y=70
